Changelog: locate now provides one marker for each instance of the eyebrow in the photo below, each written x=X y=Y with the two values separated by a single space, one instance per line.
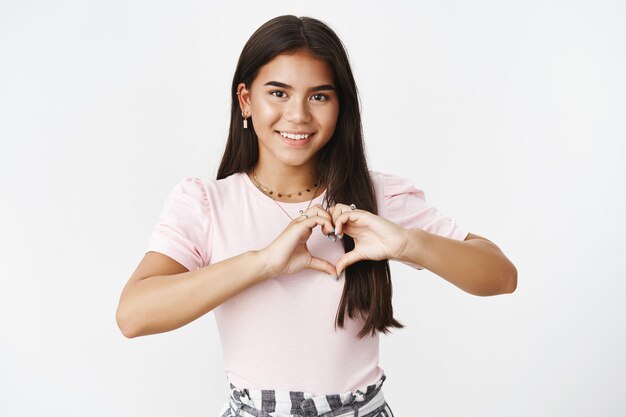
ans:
x=318 y=88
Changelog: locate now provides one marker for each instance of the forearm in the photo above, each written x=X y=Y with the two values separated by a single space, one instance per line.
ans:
x=162 y=303
x=476 y=266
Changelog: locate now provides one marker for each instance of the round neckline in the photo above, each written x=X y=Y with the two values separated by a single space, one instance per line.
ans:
x=269 y=199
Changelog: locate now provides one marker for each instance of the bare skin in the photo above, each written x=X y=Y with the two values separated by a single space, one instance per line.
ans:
x=293 y=93
x=162 y=295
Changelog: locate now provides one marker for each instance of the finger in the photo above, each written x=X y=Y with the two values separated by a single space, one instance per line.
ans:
x=315 y=209
x=324 y=266
x=318 y=210
x=332 y=213
x=336 y=212
x=343 y=218
x=313 y=221
x=346 y=260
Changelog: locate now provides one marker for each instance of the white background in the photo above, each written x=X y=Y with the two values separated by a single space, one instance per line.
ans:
x=509 y=115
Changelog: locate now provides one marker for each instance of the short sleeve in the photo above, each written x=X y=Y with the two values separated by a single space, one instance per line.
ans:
x=405 y=205
x=183 y=229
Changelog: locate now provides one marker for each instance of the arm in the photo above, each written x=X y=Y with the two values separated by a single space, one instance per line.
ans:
x=162 y=295
x=475 y=265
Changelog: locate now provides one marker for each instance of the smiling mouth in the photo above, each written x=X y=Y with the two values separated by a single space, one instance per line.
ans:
x=295 y=136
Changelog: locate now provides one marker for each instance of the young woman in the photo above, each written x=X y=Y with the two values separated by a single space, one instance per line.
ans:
x=298 y=307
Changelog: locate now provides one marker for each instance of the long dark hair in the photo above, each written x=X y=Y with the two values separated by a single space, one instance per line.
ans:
x=341 y=162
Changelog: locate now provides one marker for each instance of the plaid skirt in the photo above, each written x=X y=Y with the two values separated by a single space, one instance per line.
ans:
x=279 y=403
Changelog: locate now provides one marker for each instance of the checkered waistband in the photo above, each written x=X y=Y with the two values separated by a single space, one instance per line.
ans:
x=279 y=403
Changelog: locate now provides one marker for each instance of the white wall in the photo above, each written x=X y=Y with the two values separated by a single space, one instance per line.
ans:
x=509 y=115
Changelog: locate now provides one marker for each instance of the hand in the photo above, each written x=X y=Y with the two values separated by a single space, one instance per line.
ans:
x=288 y=253
x=375 y=237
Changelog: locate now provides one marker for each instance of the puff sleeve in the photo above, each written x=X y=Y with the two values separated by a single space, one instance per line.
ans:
x=405 y=205
x=183 y=229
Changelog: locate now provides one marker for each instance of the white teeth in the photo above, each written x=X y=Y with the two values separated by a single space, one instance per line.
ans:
x=294 y=137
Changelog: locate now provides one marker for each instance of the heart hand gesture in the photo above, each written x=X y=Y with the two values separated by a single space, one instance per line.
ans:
x=375 y=237
x=288 y=253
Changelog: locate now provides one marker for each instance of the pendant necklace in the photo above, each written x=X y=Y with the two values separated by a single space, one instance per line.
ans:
x=269 y=192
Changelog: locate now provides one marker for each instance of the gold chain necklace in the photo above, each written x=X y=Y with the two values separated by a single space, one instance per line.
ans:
x=269 y=192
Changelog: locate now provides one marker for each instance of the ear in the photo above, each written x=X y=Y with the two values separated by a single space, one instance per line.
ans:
x=244 y=98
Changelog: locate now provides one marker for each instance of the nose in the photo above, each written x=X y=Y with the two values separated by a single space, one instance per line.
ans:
x=298 y=112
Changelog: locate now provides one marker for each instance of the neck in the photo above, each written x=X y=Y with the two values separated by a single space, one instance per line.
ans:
x=288 y=179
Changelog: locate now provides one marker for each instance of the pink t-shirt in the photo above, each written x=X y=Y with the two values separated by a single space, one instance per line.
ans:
x=279 y=334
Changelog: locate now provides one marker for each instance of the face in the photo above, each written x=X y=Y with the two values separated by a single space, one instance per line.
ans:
x=293 y=106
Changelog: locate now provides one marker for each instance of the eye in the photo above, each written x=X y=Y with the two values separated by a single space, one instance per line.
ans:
x=320 y=97
x=279 y=92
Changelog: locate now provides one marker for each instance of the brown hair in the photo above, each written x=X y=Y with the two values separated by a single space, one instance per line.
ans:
x=341 y=162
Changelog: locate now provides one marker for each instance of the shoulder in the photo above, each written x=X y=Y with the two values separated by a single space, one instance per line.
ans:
x=206 y=189
x=388 y=185
x=190 y=188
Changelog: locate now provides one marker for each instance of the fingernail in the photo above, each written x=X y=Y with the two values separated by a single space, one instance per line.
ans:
x=335 y=229
x=340 y=236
